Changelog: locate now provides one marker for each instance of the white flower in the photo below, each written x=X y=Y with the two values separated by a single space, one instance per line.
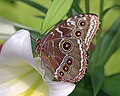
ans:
x=6 y=28
x=22 y=75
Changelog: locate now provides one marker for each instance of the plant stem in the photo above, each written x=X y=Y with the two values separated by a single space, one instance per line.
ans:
x=87 y=6
x=101 y=9
x=101 y=17
x=98 y=37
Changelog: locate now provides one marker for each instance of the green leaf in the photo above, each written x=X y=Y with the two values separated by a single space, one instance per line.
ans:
x=109 y=42
x=77 y=8
x=34 y=35
x=111 y=67
x=87 y=6
x=101 y=7
x=106 y=10
x=112 y=85
x=97 y=77
x=108 y=45
x=9 y=1
x=21 y=14
x=39 y=16
x=35 y=5
x=56 y=12
x=102 y=93
x=84 y=87
x=82 y=92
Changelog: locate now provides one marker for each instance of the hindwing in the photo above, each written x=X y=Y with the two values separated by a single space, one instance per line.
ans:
x=66 y=58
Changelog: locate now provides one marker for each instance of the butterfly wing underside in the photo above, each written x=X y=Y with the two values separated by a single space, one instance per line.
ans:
x=84 y=26
x=66 y=65
x=63 y=49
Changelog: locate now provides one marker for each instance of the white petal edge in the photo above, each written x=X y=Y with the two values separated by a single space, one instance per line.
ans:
x=15 y=54
x=17 y=87
x=6 y=29
x=17 y=49
x=60 y=88
x=19 y=45
x=55 y=87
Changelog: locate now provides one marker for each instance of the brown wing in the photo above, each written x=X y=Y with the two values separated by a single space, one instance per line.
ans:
x=51 y=55
x=64 y=47
x=83 y=26
x=66 y=58
x=73 y=65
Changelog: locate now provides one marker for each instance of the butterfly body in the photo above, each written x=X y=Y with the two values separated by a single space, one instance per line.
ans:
x=63 y=49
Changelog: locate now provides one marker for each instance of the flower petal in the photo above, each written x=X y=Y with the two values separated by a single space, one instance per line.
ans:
x=18 y=49
x=8 y=73
x=15 y=56
x=5 y=29
x=17 y=76
x=25 y=85
x=60 y=88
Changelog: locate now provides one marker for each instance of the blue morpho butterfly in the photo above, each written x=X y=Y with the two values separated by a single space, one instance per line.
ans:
x=63 y=49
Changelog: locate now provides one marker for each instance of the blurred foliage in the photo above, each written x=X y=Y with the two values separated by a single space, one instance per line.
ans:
x=103 y=74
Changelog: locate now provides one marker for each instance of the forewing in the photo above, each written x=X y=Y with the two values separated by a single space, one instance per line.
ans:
x=83 y=26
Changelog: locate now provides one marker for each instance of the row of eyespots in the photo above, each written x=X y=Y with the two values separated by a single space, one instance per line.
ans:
x=78 y=33
x=65 y=68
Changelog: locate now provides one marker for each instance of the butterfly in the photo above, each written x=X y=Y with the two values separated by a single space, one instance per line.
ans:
x=64 y=48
